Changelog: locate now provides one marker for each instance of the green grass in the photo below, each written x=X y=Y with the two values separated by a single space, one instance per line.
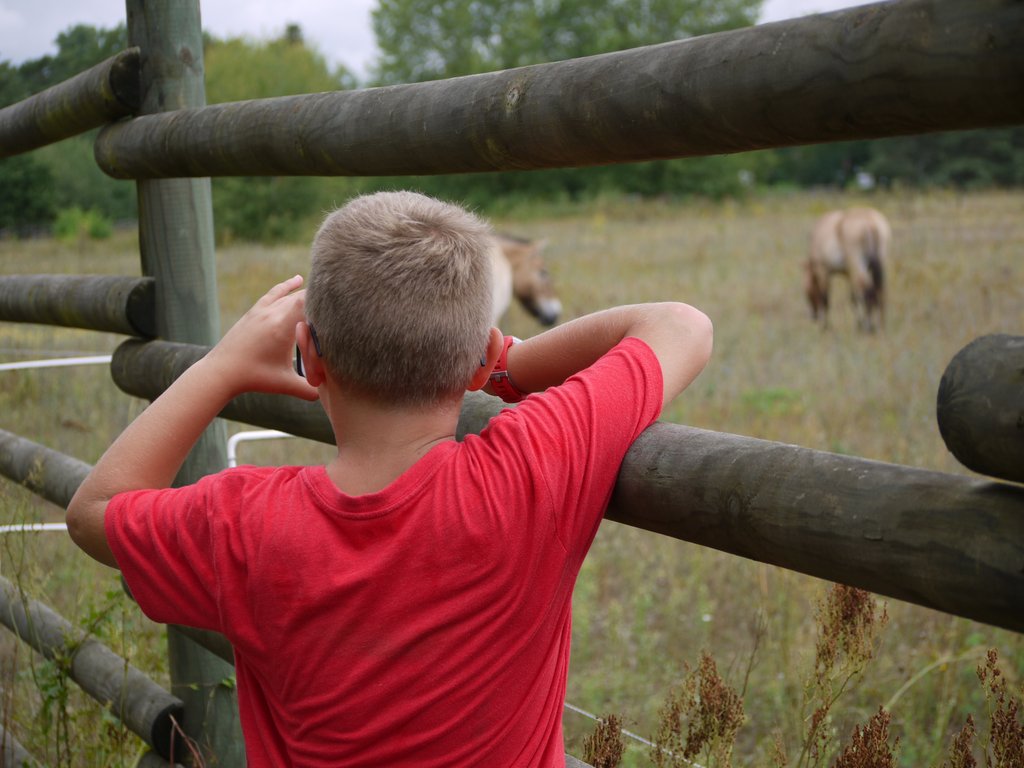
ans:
x=645 y=606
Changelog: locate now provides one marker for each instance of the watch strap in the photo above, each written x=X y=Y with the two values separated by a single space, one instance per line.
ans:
x=501 y=382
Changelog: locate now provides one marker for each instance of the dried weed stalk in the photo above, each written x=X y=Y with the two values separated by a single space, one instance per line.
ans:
x=1006 y=732
x=712 y=713
x=604 y=747
x=962 y=747
x=849 y=624
x=869 y=747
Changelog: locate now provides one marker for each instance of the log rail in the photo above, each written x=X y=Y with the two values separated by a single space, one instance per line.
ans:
x=886 y=69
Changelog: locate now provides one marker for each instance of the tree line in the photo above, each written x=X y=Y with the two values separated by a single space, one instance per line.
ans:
x=423 y=40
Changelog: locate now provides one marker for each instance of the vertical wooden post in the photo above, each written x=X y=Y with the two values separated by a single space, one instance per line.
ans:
x=176 y=241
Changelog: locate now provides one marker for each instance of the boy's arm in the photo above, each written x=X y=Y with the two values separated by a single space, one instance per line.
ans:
x=255 y=355
x=679 y=335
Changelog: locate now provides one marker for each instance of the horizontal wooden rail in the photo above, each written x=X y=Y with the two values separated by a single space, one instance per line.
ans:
x=944 y=541
x=106 y=92
x=980 y=406
x=93 y=302
x=886 y=69
x=48 y=473
x=145 y=369
x=143 y=706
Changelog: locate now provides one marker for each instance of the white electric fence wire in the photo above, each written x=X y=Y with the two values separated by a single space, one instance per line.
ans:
x=625 y=732
x=32 y=527
x=48 y=363
x=63 y=353
x=56 y=362
x=29 y=527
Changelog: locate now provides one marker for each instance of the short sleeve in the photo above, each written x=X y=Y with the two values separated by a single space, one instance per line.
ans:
x=163 y=543
x=574 y=436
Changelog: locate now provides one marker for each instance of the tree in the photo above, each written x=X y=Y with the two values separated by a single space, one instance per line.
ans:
x=427 y=40
x=27 y=198
x=961 y=159
x=238 y=69
x=12 y=85
x=266 y=208
x=63 y=174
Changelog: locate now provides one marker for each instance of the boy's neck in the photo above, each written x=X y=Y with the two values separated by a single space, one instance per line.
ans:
x=377 y=443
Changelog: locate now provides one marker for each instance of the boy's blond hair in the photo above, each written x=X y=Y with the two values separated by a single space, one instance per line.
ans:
x=399 y=294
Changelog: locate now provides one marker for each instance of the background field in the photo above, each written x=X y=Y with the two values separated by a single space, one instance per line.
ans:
x=645 y=606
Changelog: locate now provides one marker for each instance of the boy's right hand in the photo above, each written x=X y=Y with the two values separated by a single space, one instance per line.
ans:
x=256 y=354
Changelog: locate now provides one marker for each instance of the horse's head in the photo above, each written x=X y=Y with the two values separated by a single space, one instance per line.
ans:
x=531 y=281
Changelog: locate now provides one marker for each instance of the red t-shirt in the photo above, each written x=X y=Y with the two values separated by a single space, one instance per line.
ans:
x=427 y=624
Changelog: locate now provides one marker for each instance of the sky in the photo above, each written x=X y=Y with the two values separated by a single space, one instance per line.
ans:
x=339 y=29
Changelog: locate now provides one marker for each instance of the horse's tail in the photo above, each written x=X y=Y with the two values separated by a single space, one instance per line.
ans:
x=873 y=261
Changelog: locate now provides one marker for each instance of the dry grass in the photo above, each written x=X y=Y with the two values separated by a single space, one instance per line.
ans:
x=647 y=606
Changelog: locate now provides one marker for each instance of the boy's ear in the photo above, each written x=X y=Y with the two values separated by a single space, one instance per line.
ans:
x=495 y=341
x=312 y=363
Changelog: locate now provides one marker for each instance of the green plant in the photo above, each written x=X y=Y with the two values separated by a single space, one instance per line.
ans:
x=74 y=225
x=848 y=628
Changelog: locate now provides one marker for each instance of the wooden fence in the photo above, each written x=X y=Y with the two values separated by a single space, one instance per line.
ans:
x=949 y=542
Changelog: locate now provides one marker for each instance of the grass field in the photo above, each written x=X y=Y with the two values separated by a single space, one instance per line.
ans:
x=646 y=606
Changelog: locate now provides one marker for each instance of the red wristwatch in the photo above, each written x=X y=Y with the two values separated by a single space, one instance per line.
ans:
x=501 y=382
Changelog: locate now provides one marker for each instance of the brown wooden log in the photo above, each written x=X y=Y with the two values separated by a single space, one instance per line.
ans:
x=145 y=369
x=99 y=95
x=44 y=471
x=980 y=406
x=944 y=541
x=143 y=706
x=947 y=542
x=886 y=69
x=93 y=302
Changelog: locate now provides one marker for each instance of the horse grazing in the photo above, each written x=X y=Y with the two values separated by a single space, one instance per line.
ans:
x=519 y=271
x=855 y=243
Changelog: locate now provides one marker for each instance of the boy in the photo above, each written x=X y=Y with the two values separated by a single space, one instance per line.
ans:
x=409 y=603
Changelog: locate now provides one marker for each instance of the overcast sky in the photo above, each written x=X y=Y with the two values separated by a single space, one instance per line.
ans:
x=339 y=29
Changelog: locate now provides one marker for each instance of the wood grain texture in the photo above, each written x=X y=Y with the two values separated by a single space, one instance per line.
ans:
x=980 y=406
x=49 y=474
x=91 y=302
x=95 y=97
x=886 y=69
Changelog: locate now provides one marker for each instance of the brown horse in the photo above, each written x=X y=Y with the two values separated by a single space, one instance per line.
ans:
x=855 y=243
x=519 y=271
